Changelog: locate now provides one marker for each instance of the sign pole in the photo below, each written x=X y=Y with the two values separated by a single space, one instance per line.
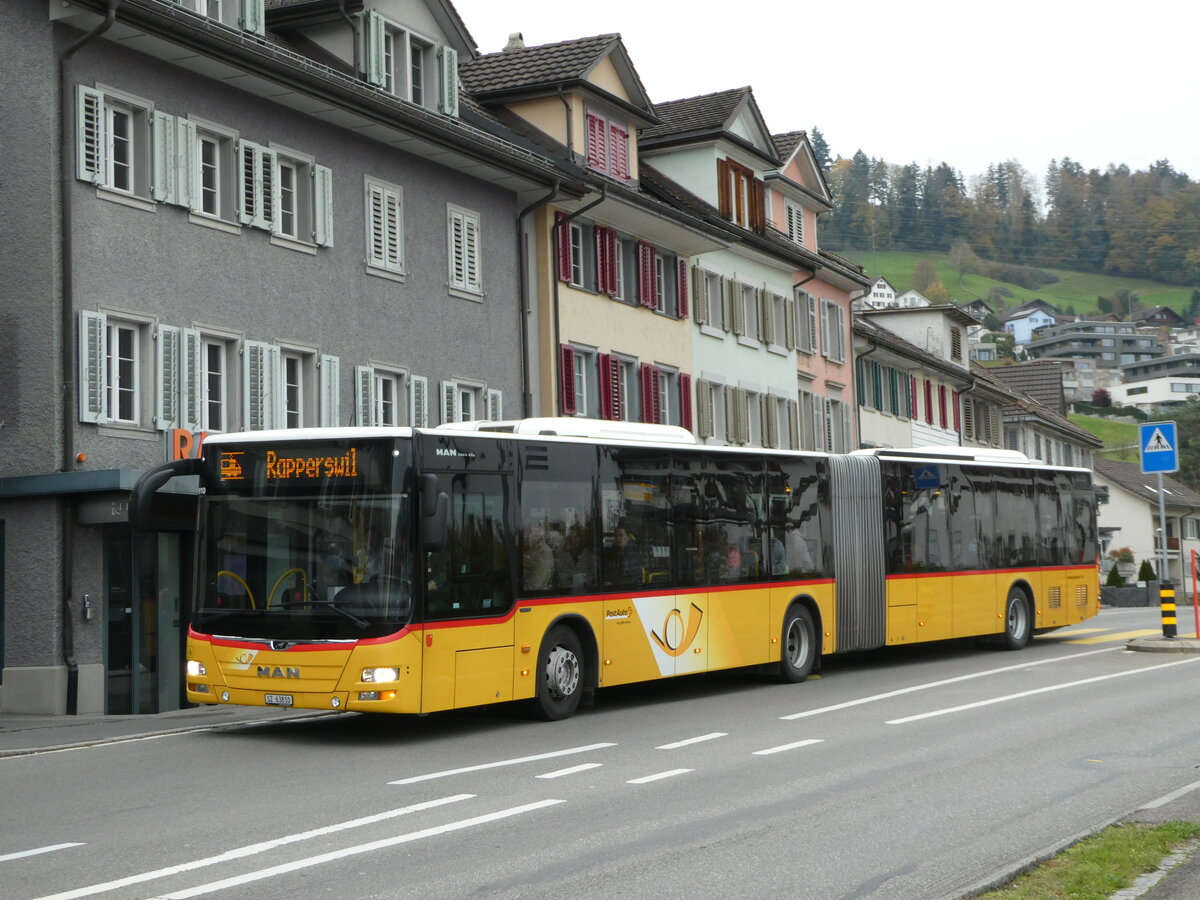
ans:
x=1159 y=453
x=1163 y=574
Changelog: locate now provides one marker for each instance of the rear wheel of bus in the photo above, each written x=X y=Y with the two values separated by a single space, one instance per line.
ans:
x=1018 y=622
x=560 y=675
x=798 y=654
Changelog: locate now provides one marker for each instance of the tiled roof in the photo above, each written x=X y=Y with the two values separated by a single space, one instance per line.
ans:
x=1021 y=404
x=786 y=144
x=528 y=67
x=1129 y=476
x=705 y=113
x=1041 y=380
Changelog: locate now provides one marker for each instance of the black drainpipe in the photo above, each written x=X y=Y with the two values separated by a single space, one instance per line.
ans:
x=67 y=371
x=523 y=299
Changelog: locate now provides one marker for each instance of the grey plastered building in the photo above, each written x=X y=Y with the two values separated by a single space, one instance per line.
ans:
x=282 y=217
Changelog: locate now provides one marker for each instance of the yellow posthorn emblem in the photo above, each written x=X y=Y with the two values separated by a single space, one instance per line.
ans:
x=676 y=637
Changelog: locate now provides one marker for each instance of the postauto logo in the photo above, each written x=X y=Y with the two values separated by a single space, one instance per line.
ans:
x=673 y=639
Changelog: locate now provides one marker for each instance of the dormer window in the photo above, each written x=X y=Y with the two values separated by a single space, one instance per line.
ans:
x=410 y=66
x=607 y=145
x=740 y=195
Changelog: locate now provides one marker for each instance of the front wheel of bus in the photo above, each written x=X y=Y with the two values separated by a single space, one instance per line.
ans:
x=799 y=652
x=560 y=675
x=1018 y=625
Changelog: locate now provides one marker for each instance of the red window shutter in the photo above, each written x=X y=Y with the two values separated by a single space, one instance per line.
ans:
x=651 y=401
x=647 y=283
x=912 y=384
x=566 y=378
x=724 y=200
x=942 y=405
x=928 y=402
x=685 y=401
x=616 y=394
x=957 y=415
x=681 y=285
x=596 y=155
x=606 y=384
x=562 y=232
x=618 y=149
x=602 y=283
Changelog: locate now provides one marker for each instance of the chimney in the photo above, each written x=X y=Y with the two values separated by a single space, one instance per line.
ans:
x=516 y=41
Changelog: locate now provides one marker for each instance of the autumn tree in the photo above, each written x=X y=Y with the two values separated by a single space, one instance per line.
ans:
x=924 y=275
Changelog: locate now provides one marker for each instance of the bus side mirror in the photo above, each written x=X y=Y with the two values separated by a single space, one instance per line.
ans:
x=435 y=514
x=142 y=494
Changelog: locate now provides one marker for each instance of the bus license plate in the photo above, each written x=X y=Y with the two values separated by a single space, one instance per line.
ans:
x=278 y=699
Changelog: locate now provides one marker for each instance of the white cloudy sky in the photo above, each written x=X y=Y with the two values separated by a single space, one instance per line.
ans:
x=923 y=81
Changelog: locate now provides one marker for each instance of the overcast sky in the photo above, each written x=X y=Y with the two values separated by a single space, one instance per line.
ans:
x=925 y=81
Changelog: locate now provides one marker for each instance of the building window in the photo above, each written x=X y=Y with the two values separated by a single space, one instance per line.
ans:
x=113 y=141
x=385 y=228
x=214 y=375
x=607 y=149
x=956 y=353
x=794 y=221
x=740 y=195
x=410 y=66
x=122 y=372
x=466 y=401
x=112 y=377
x=466 y=271
x=833 y=332
x=214 y=178
x=294 y=390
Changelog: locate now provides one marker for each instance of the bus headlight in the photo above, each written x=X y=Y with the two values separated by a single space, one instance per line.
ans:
x=380 y=675
x=195 y=667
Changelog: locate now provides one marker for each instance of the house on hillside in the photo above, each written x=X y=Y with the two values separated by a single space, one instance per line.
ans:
x=911 y=299
x=1159 y=315
x=1022 y=324
x=1131 y=516
x=882 y=295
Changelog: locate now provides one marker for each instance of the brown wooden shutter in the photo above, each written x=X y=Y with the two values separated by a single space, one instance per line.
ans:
x=562 y=236
x=681 y=287
x=724 y=199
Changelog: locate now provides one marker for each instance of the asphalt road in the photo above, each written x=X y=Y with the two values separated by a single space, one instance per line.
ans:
x=913 y=773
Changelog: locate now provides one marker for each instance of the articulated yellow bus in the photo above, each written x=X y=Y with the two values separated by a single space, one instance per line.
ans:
x=415 y=570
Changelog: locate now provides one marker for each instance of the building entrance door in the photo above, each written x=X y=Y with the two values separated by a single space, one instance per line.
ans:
x=144 y=611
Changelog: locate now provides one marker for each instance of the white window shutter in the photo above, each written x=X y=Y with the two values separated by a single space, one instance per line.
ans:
x=449 y=57
x=168 y=354
x=789 y=322
x=261 y=392
x=191 y=396
x=165 y=158
x=249 y=195
x=793 y=414
x=818 y=423
x=840 y=314
x=364 y=395
x=322 y=206
x=766 y=314
x=811 y=304
x=743 y=415
x=731 y=414
x=495 y=405
x=474 y=263
x=374 y=48
x=846 y=445
x=457 y=250
x=449 y=402
x=770 y=409
x=190 y=176
x=331 y=391
x=253 y=18
x=93 y=396
x=90 y=134
x=699 y=295
x=418 y=401
x=704 y=408
x=184 y=147
x=738 y=303
x=825 y=331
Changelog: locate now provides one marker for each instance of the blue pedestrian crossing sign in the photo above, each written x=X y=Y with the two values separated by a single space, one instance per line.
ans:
x=926 y=477
x=1159 y=447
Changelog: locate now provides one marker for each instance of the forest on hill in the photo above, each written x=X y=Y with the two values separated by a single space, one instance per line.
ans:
x=1143 y=223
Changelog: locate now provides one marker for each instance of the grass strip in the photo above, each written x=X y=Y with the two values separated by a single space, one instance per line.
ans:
x=1099 y=866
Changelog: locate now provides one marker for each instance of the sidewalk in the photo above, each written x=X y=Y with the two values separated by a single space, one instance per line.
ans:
x=24 y=734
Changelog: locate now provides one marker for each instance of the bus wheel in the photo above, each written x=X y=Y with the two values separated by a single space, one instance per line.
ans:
x=799 y=652
x=1018 y=625
x=560 y=675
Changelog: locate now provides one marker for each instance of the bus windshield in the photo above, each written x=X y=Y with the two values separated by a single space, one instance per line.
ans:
x=305 y=568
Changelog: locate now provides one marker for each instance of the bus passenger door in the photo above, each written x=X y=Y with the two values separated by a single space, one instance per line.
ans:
x=467 y=647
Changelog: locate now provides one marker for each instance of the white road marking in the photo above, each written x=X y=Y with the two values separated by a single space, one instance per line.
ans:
x=502 y=762
x=1174 y=795
x=646 y=779
x=783 y=747
x=943 y=682
x=694 y=740
x=582 y=767
x=252 y=849
x=23 y=853
x=1041 y=690
x=322 y=858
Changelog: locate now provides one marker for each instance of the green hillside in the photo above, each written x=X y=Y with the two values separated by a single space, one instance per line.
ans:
x=1078 y=290
x=1120 y=438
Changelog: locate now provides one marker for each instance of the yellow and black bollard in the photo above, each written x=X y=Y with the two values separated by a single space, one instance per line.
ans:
x=1166 y=594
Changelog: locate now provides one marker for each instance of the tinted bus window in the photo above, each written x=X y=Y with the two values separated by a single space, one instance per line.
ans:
x=1049 y=522
x=917 y=528
x=1084 y=518
x=1016 y=525
x=635 y=518
x=798 y=498
x=966 y=553
x=557 y=519
x=719 y=519
x=470 y=576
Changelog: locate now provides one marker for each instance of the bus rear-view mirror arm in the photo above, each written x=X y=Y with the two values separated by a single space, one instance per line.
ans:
x=150 y=481
x=435 y=513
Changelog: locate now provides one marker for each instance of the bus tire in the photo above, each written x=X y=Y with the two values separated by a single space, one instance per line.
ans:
x=798 y=653
x=560 y=675
x=1018 y=621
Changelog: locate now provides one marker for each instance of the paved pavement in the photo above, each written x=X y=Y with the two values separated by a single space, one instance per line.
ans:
x=1177 y=879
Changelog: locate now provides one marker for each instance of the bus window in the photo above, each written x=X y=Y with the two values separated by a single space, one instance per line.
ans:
x=965 y=552
x=1016 y=524
x=1049 y=524
x=719 y=520
x=556 y=515
x=1084 y=518
x=635 y=518
x=470 y=575
x=797 y=493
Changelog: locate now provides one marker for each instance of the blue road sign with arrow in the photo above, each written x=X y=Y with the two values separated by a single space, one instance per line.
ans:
x=1159 y=447
x=926 y=477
